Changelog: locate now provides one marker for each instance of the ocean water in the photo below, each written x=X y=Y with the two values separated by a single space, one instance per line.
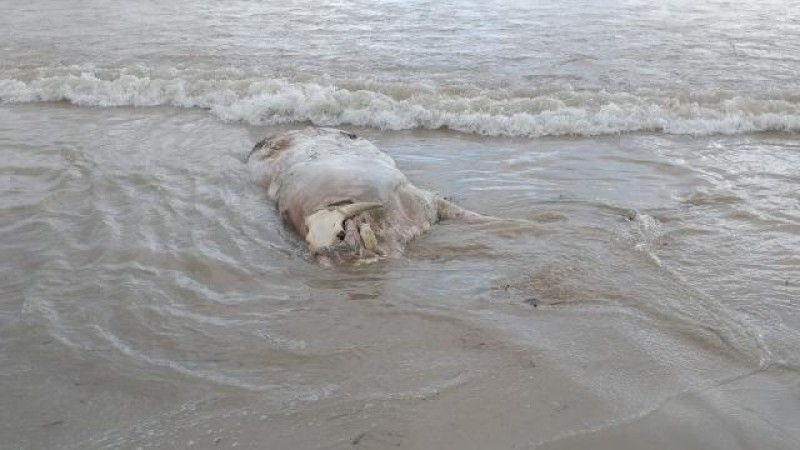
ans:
x=151 y=296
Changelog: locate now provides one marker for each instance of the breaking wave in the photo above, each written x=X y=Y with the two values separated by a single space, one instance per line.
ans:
x=553 y=111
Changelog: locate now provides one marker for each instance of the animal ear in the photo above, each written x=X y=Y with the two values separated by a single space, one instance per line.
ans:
x=259 y=145
x=354 y=209
x=279 y=142
x=270 y=145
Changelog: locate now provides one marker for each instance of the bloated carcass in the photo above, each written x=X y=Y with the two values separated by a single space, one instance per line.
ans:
x=344 y=196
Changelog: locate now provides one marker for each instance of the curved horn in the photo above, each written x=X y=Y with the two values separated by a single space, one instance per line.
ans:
x=357 y=208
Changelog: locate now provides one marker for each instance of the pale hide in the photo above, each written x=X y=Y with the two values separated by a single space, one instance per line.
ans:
x=344 y=196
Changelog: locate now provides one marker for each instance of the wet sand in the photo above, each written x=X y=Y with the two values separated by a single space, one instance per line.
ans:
x=151 y=298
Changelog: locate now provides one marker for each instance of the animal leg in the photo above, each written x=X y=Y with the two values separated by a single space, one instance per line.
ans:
x=447 y=210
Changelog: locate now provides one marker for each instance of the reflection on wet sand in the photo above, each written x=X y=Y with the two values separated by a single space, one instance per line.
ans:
x=157 y=295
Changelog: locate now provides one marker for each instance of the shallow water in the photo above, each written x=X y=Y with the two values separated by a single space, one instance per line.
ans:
x=151 y=296
x=506 y=69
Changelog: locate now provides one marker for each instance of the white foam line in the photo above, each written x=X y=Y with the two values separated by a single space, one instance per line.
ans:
x=489 y=112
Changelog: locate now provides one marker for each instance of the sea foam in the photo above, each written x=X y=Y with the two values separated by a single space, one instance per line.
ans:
x=545 y=111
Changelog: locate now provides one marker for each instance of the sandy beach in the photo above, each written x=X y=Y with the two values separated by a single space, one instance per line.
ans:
x=152 y=297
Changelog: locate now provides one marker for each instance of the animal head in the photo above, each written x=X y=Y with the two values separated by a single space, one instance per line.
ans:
x=334 y=235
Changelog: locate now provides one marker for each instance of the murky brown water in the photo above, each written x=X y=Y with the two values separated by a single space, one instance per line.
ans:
x=150 y=297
